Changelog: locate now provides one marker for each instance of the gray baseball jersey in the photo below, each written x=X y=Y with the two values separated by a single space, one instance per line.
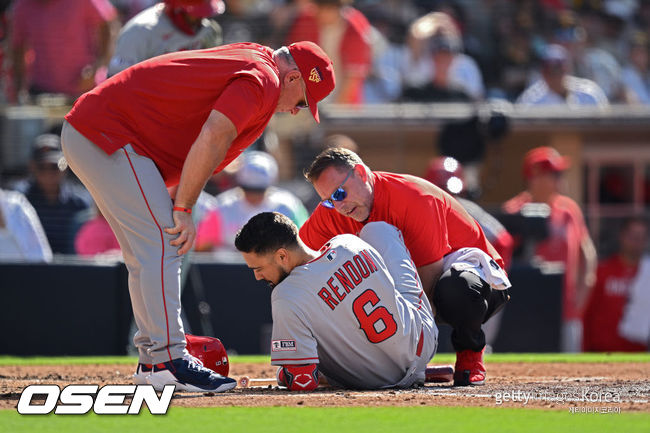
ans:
x=358 y=310
x=151 y=33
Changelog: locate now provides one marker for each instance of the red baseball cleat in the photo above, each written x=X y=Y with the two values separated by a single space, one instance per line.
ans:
x=469 y=369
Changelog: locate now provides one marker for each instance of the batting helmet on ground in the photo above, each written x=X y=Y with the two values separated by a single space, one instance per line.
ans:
x=210 y=352
x=198 y=8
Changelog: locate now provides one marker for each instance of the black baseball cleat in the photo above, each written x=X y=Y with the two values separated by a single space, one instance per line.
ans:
x=189 y=376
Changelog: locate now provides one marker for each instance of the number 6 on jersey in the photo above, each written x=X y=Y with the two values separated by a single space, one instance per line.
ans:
x=367 y=321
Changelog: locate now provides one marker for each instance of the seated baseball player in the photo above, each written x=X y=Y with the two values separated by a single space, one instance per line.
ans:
x=353 y=312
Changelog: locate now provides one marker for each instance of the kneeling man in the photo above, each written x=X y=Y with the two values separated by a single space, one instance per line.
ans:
x=355 y=311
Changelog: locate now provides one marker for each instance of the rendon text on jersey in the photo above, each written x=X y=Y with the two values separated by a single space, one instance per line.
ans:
x=349 y=276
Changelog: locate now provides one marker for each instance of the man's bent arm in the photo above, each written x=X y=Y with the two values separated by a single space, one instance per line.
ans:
x=206 y=153
x=429 y=276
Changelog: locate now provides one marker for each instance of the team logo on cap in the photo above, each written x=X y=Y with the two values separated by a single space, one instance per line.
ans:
x=315 y=75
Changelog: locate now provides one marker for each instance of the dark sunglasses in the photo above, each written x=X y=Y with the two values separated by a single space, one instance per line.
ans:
x=303 y=104
x=339 y=195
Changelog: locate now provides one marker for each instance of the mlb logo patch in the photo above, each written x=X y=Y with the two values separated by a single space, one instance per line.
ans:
x=283 y=345
x=331 y=256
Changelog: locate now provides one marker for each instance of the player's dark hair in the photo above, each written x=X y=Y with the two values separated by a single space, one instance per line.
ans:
x=342 y=159
x=265 y=233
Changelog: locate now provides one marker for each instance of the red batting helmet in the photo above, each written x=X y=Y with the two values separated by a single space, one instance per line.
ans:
x=198 y=8
x=210 y=352
x=446 y=173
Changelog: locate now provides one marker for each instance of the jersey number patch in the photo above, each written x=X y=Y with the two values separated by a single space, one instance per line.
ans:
x=369 y=321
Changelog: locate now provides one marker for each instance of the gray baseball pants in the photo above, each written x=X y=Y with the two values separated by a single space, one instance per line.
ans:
x=131 y=194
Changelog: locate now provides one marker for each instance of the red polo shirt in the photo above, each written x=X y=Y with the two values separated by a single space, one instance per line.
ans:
x=160 y=105
x=432 y=222
x=567 y=230
x=606 y=306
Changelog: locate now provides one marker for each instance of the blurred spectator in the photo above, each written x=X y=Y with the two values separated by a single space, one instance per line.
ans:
x=96 y=237
x=246 y=21
x=612 y=292
x=70 y=42
x=568 y=241
x=256 y=176
x=344 y=34
x=435 y=69
x=6 y=82
x=447 y=173
x=172 y=25
x=21 y=235
x=636 y=73
x=590 y=60
x=56 y=200
x=556 y=85
x=384 y=82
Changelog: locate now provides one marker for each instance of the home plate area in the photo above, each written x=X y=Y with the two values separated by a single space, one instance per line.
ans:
x=602 y=388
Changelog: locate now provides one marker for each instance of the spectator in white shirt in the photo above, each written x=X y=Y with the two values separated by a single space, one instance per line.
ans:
x=21 y=234
x=557 y=87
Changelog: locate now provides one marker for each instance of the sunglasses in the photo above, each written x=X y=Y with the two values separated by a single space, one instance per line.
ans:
x=301 y=105
x=339 y=195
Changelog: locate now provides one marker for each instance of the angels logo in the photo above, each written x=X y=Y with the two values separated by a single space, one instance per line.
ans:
x=315 y=75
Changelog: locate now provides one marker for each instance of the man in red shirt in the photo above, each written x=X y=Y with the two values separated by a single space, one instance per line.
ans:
x=611 y=293
x=173 y=120
x=461 y=272
x=568 y=241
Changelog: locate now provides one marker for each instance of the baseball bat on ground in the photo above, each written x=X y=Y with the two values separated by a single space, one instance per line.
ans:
x=433 y=374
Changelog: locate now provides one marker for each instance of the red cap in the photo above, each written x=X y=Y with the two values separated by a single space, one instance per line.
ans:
x=317 y=72
x=546 y=158
x=199 y=8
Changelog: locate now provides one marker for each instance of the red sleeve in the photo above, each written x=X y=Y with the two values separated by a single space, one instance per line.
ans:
x=313 y=234
x=323 y=225
x=504 y=244
x=356 y=55
x=238 y=100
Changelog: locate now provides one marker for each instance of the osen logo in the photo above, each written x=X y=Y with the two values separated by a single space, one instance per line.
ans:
x=80 y=399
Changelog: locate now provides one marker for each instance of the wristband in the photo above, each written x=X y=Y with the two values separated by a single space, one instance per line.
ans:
x=182 y=209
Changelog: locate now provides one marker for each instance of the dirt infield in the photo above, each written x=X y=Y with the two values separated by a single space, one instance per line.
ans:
x=575 y=387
